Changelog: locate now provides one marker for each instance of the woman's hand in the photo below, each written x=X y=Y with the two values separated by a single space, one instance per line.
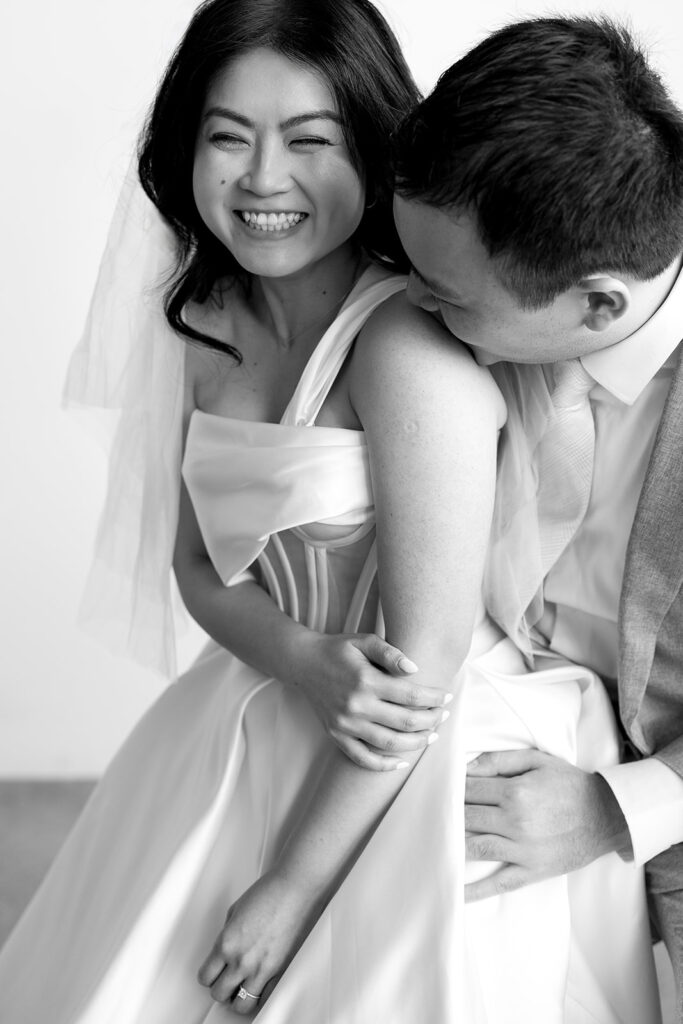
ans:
x=358 y=684
x=263 y=930
x=360 y=688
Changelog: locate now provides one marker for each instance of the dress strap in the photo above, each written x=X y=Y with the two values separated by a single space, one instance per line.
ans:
x=374 y=286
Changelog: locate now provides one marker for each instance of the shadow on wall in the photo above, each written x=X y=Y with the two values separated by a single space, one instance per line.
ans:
x=36 y=817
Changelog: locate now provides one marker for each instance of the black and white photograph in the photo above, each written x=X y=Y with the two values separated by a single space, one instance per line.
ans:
x=342 y=548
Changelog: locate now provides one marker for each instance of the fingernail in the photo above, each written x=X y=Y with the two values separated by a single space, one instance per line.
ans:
x=445 y=716
x=432 y=739
x=406 y=665
x=402 y=764
x=448 y=698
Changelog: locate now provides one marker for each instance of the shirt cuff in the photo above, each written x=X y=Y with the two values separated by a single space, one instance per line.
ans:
x=650 y=795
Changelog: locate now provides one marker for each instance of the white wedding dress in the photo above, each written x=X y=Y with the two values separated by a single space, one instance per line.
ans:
x=195 y=805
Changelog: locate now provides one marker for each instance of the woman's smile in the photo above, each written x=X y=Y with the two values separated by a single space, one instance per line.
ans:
x=271 y=224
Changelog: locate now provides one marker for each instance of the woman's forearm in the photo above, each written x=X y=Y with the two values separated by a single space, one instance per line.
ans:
x=243 y=618
x=348 y=804
x=349 y=801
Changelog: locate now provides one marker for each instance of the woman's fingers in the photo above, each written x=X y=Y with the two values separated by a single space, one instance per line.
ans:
x=384 y=656
x=380 y=729
x=247 y=999
x=267 y=990
x=389 y=741
x=410 y=695
x=229 y=980
x=223 y=970
x=211 y=968
x=404 y=720
x=226 y=986
x=359 y=752
x=253 y=992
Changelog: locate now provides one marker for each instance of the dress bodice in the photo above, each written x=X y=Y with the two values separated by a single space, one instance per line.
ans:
x=295 y=497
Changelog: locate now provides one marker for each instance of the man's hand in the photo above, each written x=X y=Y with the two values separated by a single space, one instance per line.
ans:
x=540 y=816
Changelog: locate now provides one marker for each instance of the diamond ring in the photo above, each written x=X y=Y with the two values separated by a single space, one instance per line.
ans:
x=243 y=994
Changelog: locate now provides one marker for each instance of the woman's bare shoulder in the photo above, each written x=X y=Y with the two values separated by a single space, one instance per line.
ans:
x=401 y=343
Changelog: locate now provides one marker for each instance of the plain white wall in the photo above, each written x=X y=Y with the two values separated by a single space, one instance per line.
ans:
x=76 y=80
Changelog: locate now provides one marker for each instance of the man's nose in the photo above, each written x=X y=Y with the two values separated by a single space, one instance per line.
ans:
x=420 y=295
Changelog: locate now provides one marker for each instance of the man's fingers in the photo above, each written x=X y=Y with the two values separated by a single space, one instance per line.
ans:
x=506 y=879
x=489 y=847
x=384 y=656
x=484 y=791
x=506 y=762
x=484 y=820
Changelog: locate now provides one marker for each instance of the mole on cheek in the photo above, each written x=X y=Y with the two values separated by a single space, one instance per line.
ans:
x=223 y=181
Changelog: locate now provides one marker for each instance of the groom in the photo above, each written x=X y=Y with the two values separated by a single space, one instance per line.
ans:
x=540 y=201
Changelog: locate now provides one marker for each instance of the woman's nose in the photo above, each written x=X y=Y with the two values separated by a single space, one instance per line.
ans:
x=267 y=171
x=420 y=295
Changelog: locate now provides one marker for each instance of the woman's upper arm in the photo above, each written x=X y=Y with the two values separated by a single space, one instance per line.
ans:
x=431 y=418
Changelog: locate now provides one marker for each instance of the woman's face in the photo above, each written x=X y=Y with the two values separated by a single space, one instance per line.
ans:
x=273 y=178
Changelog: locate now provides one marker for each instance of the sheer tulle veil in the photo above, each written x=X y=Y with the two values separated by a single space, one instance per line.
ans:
x=127 y=371
x=513 y=578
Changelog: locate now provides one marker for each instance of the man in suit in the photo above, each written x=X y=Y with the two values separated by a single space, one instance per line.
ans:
x=540 y=201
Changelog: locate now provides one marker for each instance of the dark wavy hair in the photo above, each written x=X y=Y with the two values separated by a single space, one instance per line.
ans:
x=350 y=44
x=563 y=142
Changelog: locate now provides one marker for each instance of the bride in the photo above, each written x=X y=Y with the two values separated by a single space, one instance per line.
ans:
x=338 y=468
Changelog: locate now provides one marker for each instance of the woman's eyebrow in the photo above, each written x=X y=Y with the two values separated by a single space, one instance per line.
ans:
x=313 y=115
x=232 y=115
x=290 y=122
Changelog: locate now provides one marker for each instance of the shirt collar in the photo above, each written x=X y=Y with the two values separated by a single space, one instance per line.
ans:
x=627 y=367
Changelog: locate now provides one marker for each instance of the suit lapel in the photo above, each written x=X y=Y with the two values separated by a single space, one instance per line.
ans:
x=654 y=558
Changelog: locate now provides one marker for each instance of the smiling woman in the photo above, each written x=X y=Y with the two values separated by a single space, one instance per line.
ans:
x=323 y=60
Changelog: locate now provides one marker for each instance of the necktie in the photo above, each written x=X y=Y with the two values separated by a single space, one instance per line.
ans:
x=565 y=461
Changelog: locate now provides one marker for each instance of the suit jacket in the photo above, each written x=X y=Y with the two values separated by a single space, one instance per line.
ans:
x=650 y=679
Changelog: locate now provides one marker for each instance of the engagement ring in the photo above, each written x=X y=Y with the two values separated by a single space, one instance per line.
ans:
x=243 y=994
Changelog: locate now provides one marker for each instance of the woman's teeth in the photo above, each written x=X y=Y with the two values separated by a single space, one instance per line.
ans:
x=270 y=221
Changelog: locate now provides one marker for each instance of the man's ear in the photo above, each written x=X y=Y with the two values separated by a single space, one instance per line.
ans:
x=606 y=300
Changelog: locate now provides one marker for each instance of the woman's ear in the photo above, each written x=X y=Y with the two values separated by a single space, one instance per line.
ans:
x=606 y=300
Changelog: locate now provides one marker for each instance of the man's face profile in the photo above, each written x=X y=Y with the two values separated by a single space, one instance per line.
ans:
x=455 y=279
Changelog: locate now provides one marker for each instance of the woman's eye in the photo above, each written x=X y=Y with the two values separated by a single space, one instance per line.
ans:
x=310 y=142
x=223 y=140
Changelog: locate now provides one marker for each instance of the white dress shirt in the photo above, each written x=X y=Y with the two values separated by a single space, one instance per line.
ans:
x=583 y=587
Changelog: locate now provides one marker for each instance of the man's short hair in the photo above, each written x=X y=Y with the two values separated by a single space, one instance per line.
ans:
x=562 y=140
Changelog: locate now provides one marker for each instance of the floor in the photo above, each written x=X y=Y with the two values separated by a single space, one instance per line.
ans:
x=35 y=817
